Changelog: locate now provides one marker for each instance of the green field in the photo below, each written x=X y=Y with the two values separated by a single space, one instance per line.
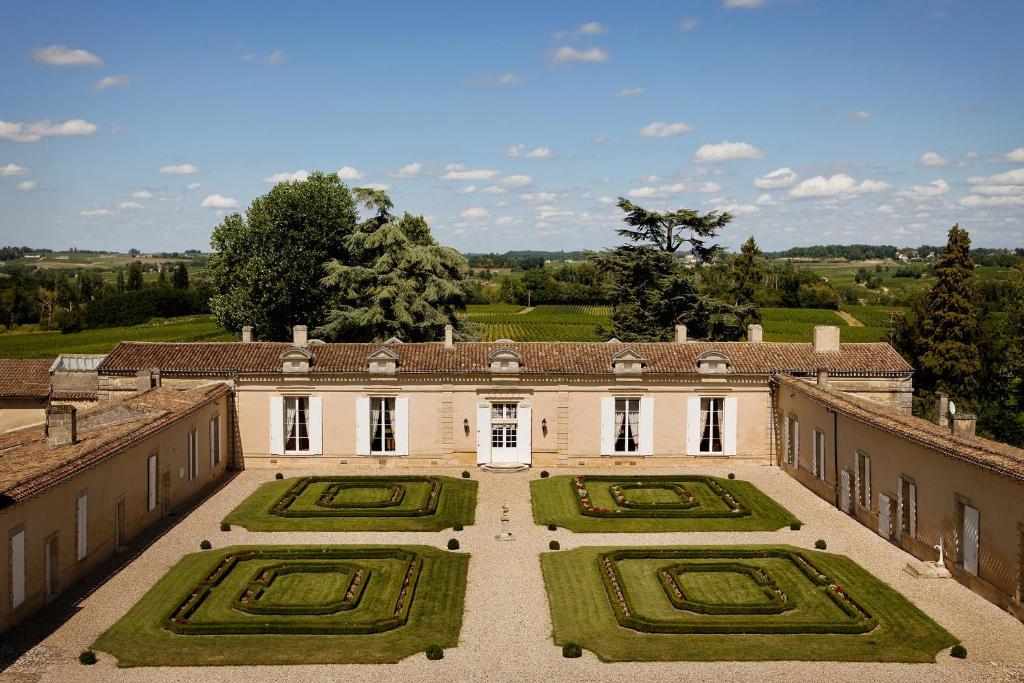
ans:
x=716 y=504
x=731 y=603
x=542 y=323
x=300 y=604
x=358 y=504
x=18 y=344
x=797 y=324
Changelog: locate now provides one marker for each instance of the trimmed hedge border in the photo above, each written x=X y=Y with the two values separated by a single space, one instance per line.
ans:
x=282 y=506
x=778 y=601
x=626 y=511
x=250 y=598
x=178 y=620
x=328 y=498
x=860 y=621
x=686 y=499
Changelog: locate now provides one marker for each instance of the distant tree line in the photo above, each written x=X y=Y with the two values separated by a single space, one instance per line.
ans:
x=522 y=260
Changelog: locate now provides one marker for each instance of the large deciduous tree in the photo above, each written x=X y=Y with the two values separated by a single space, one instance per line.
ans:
x=940 y=336
x=398 y=282
x=269 y=267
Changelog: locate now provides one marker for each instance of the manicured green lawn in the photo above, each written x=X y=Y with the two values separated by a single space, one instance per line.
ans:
x=386 y=503
x=315 y=605
x=814 y=622
x=657 y=508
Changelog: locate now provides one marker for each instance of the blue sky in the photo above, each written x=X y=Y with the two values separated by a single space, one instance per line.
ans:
x=514 y=126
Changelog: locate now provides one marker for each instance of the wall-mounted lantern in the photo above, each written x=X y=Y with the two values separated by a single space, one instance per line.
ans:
x=465 y=425
x=544 y=426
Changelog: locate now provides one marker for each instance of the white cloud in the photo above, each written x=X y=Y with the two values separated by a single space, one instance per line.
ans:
x=998 y=190
x=33 y=132
x=743 y=4
x=838 y=185
x=974 y=200
x=670 y=189
x=592 y=28
x=216 y=201
x=475 y=212
x=933 y=159
x=606 y=200
x=28 y=185
x=410 y=170
x=738 y=209
x=59 y=55
x=660 y=129
x=468 y=189
x=99 y=212
x=571 y=54
x=111 y=82
x=13 y=169
x=493 y=189
x=778 y=179
x=142 y=194
x=275 y=57
x=180 y=169
x=1015 y=156
x=501 y=79
x=688 y=24
x=349 y=173
x=885 y=208
x=131 y=205
x=630 y=92
x=765 y=199
x=725 y=150
x=285 y=176
x=859 y=116
x=460 y=172
x=937 y=188
x=193 y=186
x=535 y=153
x=600 y=138
x=1014 y=177
x=517 y=181
x=504 y=220
x=383 y=187
x=540 y=197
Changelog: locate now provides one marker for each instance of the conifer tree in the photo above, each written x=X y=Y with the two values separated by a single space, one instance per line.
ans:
x=748 y=269
x=940 y=336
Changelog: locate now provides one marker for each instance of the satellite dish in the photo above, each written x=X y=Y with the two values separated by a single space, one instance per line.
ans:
x=952 y=408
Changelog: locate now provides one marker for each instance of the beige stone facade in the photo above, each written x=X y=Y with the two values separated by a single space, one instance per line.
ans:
x=66 y=506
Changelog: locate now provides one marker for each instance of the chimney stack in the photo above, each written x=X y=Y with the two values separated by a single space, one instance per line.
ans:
x=299 y=336
x=823 y=378
x=246 y=333
x=449 y=337
x=942 y=408
x=964 y=424
x=61 y=425
x=826 y=339
x=680 y=334
x=755 y=333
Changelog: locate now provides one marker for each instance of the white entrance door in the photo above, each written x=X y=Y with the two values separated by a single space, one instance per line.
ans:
x=504 y=432
x=844 y=491
x=971 y=539
x=884 y=516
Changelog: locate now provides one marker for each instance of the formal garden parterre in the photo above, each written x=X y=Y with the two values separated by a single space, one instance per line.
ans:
x=653 y=503
x=295 y=605
x=368 y=503
x=731 y=603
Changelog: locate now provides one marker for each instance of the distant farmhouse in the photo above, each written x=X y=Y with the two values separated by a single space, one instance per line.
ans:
x=122 y=440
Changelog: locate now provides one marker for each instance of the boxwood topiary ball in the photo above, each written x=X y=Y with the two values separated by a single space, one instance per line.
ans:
x=958 y=651
x=820 y=544
x=87 y=657
x=554 y=545
x=278 y=476
x=435 y=652
x=205 y=545
x=572 y=651
x=465 y=474
x=453 y=544
x=224 y=526
x=544 y=474
x=457 y=527
x=732 y=475
x=795 y=526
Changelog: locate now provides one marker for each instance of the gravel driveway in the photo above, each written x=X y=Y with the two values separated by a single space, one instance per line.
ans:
x=506 y=633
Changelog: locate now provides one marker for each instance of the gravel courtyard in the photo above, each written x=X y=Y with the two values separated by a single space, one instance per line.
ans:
x=506 y=628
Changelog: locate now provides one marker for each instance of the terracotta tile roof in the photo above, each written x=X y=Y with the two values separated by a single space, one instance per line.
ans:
x=74 y=396
x=991 y=455
x=28 y=466
x=588 y=358
x=25 y=377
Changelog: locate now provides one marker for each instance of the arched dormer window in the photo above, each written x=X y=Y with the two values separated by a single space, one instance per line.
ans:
x=295 y=359
x=505 y=361
x=712 y=363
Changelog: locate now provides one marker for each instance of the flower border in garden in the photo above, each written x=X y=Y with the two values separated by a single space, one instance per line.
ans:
x=329 y=498
x=586 y=506
x=178 y=621
x=858 y=619
x=249 y=600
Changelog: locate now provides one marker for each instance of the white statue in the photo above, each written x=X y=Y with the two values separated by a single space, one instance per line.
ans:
x=942 y=553
x=506 y=533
